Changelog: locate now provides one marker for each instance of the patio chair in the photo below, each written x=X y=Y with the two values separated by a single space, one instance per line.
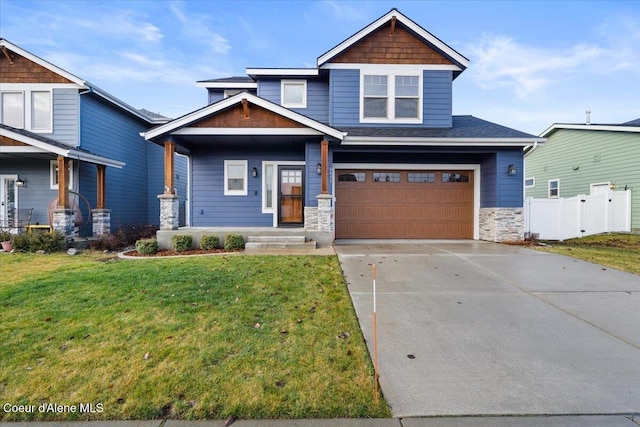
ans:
x=22 y=218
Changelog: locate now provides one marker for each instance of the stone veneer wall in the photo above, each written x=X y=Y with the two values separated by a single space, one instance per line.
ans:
x=318 y=221
x=169 y=212
x=64 y=222
x=101 y=222
x=310 y=218
x=501 y=224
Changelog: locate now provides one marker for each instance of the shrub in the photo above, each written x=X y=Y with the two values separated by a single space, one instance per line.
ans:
x=233 y=242
x=53 y=242
x=181 y=242
x=125 y=235
x=5 y=236
x=147 y=246
x=210 y=242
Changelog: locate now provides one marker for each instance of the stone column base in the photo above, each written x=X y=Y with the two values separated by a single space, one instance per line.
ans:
x=502 y=224
x=101 y=222
x=318 y=222
x=64 y=222
x=169 y=212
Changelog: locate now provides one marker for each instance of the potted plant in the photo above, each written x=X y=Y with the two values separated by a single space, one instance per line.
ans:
x=5 y=240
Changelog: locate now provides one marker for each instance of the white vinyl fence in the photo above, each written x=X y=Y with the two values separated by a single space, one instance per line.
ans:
x=583 y=215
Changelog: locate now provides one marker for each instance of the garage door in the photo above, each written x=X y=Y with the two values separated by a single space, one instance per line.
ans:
x=404 y=204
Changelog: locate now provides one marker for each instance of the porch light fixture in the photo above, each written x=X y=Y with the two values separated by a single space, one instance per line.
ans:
x=319 y=169
x=254 y=172
x=20 y=183
x=511 y=170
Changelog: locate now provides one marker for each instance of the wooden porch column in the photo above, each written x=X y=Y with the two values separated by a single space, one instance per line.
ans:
x=324 y=162
x=169 y=187
x=63 y=183
x=101 y=187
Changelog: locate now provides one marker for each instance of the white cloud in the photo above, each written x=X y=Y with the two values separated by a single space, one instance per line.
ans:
x=196 y=27
x=501 y=62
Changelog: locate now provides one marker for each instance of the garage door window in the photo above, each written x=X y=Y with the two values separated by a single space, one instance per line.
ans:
x=386 y=177
x=352 y=177
x=455 y=177
x=421 y=177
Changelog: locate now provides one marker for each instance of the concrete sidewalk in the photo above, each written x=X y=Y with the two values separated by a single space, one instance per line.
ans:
x=533 y=421
x=476 y=328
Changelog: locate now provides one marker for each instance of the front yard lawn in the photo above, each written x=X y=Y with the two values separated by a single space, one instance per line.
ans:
x=191 y=338
x=621 y=251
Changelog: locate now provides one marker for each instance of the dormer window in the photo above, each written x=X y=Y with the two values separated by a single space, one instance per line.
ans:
x=391 y=97
x=293 y=93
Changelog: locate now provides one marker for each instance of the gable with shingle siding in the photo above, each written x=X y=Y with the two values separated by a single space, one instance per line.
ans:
x=24 y=70
x=383 y=47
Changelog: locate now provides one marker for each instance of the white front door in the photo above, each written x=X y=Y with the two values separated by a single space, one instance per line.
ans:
x=8 y=199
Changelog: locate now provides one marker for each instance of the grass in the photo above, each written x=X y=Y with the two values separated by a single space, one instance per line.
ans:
x=207 y=338
x=621 y=251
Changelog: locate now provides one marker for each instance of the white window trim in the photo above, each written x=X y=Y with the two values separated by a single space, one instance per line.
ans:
x=274 y=184
x=52 y=173
x=391 y=73
x=284 y=83
x=549 y=188
x=243 y=163
x=529 y=186
x=27 y=105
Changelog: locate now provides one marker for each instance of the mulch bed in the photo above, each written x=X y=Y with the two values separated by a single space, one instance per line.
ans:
x=170 y=252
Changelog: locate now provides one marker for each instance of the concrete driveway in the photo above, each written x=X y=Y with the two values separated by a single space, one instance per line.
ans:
x=475 y=328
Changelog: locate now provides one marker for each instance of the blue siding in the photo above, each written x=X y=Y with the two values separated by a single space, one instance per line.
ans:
x=488 y=185
x=65 y=116
x=215 y=95
x=344 y=87
x=510 y=187
x=498 y=188
x=345 y=100
x=210 y=207
x=36 y=194
x=437 y=92
x=111 y=133
x=317 y=97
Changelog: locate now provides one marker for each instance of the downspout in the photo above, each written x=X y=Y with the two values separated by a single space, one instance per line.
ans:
x=524 y=182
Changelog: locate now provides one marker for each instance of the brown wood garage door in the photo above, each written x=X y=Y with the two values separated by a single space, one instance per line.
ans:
x=404 y=204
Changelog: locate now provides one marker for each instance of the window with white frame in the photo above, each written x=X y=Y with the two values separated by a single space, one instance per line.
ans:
x=29 y=110
x=391 y=97
x=268 y=185
x=530 y=182
x=235 y=177
x=13 y=109
x=554 y=188
x=54 y=175
x=293 y=93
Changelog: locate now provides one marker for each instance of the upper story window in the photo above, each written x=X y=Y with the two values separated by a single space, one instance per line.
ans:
x=293 y=93
x=30 y=110
x=391 y=97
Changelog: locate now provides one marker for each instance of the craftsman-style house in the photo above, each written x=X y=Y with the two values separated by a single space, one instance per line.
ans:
x=52 y=121
x=364 y=145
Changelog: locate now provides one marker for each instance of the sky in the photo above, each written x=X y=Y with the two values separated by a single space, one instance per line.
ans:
x=532 y=63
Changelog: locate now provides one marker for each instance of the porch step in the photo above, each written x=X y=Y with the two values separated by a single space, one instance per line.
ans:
x=278 y=242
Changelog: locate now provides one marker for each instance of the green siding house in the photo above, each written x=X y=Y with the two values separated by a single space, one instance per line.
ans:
x=584 y=159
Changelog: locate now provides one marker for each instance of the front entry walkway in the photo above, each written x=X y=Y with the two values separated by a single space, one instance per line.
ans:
x=476 y=328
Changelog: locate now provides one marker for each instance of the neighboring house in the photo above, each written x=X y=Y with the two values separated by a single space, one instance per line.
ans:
x=585 y=159
x=362 y=146
x=52 y=120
